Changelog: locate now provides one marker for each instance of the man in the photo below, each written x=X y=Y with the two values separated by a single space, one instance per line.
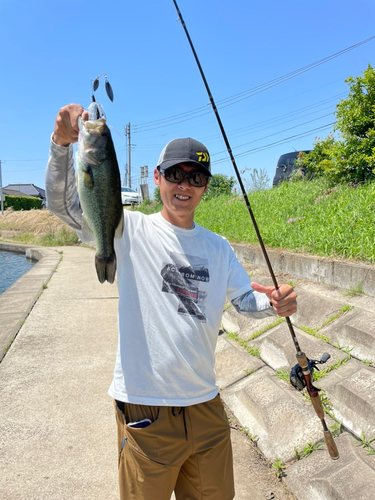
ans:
x=173 y=276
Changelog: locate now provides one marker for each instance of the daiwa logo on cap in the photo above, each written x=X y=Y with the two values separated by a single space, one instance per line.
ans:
x=204 y=157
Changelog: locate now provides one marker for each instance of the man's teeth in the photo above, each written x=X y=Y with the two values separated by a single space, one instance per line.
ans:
x=180 y=197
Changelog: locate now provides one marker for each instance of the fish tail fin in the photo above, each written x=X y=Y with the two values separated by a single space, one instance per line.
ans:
x=106 y=268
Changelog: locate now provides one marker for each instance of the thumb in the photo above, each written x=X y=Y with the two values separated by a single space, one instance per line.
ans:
x=262 y=289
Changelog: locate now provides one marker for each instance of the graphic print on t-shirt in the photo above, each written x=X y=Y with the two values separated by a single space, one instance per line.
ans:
x=182 y=278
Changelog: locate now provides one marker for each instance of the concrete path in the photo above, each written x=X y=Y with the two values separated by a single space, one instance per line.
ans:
x=57 y=429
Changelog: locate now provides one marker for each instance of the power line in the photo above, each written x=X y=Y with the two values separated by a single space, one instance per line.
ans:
x=197 y=112
x=276 y=133
x=268 y=146
x=273 y=120
x=265 y=86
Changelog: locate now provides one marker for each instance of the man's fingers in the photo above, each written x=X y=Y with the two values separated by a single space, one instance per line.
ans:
x=66 y=124
x=262 y=289
x=287 y=304
x=283 y=300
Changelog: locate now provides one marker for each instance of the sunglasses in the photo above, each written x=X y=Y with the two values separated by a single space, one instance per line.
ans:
x=177 y=175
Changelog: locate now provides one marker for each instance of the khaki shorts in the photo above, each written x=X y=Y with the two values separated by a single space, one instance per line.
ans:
x=185 y=450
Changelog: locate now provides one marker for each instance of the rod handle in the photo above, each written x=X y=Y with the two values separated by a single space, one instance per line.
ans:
x=331 y=445
x=318 y=406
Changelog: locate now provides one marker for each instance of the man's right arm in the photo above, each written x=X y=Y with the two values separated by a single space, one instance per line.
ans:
x=61 y=192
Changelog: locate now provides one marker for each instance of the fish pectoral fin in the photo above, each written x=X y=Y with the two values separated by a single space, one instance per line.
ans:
x=120 y=227
x=88 y=178
x=87 y=224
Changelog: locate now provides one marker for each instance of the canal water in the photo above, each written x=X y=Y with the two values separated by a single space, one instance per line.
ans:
x=12 y=267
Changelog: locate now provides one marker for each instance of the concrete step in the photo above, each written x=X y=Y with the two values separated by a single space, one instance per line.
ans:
x=354 y=331
x=314 y=310
x=318 y=477
x=233 y=364
x=244 y=327
x=350 y=392
x=280 y=419
x=275 y=414
x=277 y=349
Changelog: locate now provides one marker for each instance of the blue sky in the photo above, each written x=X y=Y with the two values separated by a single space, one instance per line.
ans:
x=51 y=51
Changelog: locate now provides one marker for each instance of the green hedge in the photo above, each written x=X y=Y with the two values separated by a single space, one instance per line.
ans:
x=22 y=202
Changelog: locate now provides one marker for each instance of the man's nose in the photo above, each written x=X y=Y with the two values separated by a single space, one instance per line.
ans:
x=184 y=183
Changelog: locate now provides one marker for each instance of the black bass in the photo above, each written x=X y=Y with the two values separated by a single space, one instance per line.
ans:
x=99 y=189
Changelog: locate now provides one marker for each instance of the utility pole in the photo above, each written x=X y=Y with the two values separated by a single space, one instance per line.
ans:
x=128 y=172
x=126 y=176
x=144 y=182
x=1 y=192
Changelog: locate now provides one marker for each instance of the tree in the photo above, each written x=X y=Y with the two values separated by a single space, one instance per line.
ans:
x=320 y=161
x=157 y=197
x=220 y=184
x=352 y=156
x=356 y=123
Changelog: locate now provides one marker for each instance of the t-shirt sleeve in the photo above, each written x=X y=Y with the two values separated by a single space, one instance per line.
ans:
x=238 y=279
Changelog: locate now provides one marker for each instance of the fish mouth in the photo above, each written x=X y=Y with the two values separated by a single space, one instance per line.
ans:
x=92 y=126
x=96 y=125
x=92 y=140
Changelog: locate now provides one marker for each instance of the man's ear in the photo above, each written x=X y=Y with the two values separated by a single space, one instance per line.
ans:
x=156 y=176
x=206 y=187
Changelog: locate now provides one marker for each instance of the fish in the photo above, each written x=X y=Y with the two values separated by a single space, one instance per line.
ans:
x=99 y=190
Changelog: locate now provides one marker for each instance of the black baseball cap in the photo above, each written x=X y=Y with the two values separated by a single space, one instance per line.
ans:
x=185 y=151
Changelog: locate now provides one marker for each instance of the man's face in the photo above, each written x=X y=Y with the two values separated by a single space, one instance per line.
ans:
x=179 y=200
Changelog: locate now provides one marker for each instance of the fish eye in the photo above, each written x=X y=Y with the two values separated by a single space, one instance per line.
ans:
x=104 y=133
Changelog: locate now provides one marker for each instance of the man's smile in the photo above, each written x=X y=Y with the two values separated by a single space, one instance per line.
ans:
x=182 y=197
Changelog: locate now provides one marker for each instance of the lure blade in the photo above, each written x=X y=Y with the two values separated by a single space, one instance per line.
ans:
x=109 y=90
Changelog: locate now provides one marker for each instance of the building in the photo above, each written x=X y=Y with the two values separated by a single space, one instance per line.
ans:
x=24 y=190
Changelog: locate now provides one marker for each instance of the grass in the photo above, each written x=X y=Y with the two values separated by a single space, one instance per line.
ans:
x=254 y=351
x=315 y=333
x=342 y=310
x=367 y=444
x=307 y=450
x=266 y=328
x=283 y=375
x=253 y=437
x=320 y=374
x=37 y=227
x=341 y=225
x=355 y=291
x=279 y=467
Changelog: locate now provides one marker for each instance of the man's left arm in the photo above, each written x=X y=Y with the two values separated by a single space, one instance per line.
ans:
x=263 y=301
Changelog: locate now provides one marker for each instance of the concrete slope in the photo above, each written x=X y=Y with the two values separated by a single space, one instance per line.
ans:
x=280 y=418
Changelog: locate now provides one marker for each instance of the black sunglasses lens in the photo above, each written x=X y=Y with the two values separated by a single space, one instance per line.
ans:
x=197 y=179
x=176 y=175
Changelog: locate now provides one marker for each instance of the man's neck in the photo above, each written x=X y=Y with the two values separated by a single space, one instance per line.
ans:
x=183 y=222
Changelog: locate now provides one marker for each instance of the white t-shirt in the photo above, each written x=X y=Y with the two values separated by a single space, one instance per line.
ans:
x=172 y=286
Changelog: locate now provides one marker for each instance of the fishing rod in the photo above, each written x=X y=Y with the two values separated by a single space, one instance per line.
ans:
x=301 y=374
